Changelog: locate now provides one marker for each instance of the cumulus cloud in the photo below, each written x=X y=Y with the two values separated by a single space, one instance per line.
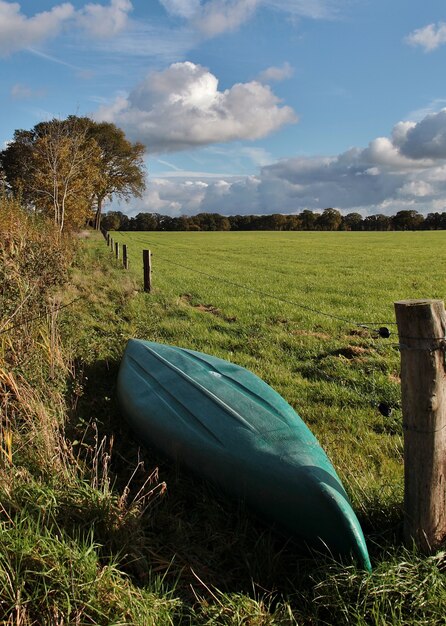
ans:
x=427 y=138
x=205 y=18
x=105 y=21
x=276 y=73
x=430 y=37
x=181 y=108
x=17 y=31
x=392 y=173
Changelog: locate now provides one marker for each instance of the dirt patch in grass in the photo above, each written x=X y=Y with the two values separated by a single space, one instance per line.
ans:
x=359 y=332
x=351 y=352
x=187 y=298
x=395 y=378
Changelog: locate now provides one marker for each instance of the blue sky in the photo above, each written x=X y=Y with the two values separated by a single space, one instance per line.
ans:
x=247 y=106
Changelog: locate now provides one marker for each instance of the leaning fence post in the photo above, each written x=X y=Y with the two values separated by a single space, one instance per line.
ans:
x=117 y=250
x=147 y=263
x=125 y=260
x=421 y=331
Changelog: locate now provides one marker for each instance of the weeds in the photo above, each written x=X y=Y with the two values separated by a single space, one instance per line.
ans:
x=94 y=530
x=66 y=533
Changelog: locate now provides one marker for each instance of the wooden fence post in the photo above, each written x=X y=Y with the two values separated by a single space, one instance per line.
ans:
x=117 y=250
x=125 y=260
x=147 y=262
x=421 y=331
x=111 y=244
x=108 y=239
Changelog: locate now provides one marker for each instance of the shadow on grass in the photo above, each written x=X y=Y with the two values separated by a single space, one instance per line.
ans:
x=187 y=532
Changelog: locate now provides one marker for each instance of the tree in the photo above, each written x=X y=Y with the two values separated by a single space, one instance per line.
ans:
x=308 y=219
x=146 y=221
x=378 y=222
x=407 y=220
x=433 y=221
x=3 y=182
x=55 y=168
x=352 y=221
x=329 y=220
x=16 y=162
x=276 y=221
x=122 y=165
x=115 y=220
x=293 y=222
x=100 y=144
x=65 y=171
x=210 y=221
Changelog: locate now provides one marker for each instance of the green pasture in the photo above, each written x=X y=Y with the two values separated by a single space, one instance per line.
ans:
x=270 y=301
x=95 y=529
x=204 y=558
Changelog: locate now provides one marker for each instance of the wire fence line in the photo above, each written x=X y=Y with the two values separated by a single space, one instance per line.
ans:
x=279 y=298
x=378 y=327
x=375 y=329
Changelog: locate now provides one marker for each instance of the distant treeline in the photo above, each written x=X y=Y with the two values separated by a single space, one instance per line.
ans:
x=329 y=219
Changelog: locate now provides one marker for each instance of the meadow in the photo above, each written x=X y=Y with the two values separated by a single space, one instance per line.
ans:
x=96 y=530
x=302 y=311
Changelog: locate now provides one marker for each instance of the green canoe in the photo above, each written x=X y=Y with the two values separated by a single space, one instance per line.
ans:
x=230 y=427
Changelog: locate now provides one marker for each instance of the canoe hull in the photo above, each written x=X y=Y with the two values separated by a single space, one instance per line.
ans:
x=228 y=426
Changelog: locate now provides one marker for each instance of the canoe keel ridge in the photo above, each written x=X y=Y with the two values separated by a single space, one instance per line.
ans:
x=227 y=425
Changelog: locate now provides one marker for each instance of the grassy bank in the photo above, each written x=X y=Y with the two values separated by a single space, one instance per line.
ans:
x=95 y=530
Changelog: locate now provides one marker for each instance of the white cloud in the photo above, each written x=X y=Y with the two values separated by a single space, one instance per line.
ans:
x=181 y=108
x=314 y=9
x=276 y=73
x=382 y=151
x=259 y=156
x=431 y=107
x=173 y=197
x=392 y=173
x=427 y=138
x=181 y=8
x=417 y=188
x=105 y=21
x=17 y=31
x=430 y=37
x=219 y=16
x=203 y=18
x=19 y=91
x=144 y=39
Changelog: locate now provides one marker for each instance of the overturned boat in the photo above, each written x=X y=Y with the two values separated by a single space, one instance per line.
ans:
x=230 y=427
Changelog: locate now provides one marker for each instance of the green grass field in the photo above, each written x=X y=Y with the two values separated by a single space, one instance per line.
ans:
x=95 y=529
x=333 y=372
x=205 y=559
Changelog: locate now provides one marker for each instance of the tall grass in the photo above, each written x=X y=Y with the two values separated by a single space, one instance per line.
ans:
x=65 y=533
x=334 y=372
x=95 y=530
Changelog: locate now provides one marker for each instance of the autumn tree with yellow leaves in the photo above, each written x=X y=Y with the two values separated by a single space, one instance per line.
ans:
x=65 y=169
